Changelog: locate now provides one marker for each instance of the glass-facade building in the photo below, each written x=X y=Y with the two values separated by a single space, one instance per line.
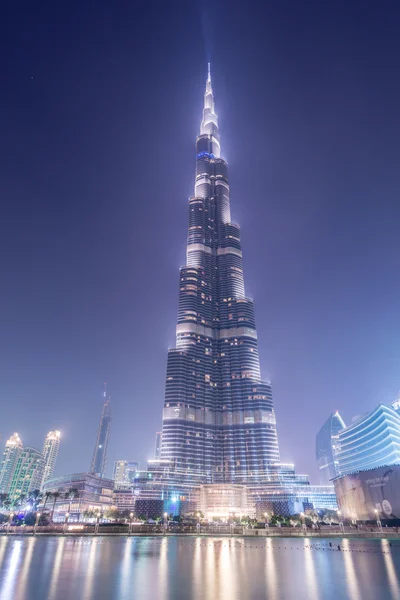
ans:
x=11 y=454
x=372 y=441
x=124 y=473
x=327 y=448
x=28 y=473
x=218 y=421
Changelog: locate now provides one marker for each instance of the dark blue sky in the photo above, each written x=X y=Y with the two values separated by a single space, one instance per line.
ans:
x=100 y=105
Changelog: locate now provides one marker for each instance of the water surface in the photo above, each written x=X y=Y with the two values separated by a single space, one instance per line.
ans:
x=149 y=568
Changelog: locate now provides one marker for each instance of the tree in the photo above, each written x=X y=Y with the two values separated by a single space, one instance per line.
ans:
x=330 y=516
x=277 y=520
x=30 y=518
x=7 y=503
x=295 y=520
x=55 y=496
x=71 y=495
x=313 y=516
x=18 y=501
x=3 y=499
x=111 y=513
x=35 y=497
x=46 y=497
x=89 y=514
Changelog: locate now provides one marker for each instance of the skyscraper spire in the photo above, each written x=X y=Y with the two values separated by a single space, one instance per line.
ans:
x=209 y=123
x=219 y=421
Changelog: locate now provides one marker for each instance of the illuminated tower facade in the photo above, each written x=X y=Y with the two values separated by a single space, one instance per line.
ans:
x=218 y=419
x=28 y=473
x=11 y=454
x=99 y=460
x=50 y=450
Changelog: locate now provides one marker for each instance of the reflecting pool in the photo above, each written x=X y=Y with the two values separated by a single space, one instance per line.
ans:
x=156 y=568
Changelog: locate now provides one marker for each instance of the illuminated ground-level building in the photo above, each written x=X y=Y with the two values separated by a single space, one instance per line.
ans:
x=372 y=494
x=224 y=500
x=95 y=494
x=124 y=499
x=285 y=493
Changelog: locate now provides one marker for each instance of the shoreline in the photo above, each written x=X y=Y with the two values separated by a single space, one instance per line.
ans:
x=315 y=535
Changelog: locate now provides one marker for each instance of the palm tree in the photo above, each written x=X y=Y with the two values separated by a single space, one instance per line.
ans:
x=35 y=497
x=19 y=501
x=46 y=497
x=3 y=500
x=71 y=494
x=55 y=495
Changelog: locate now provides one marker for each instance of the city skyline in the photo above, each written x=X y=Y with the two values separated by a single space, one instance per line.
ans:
x=311 y=142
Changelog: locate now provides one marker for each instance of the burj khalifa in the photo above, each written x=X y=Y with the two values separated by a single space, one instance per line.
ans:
x=219 y=423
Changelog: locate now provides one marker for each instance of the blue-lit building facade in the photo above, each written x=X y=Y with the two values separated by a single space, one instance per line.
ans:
x=372 y=441
x=368 y=481
x=327 y=448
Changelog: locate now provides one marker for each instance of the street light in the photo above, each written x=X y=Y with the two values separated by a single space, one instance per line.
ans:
x=97 y=522
x=266 y=520
x=303 y=520
x=36 y=522
x=65 y=522
x=378 y=522
x=10 y=521
x=198 y=522
x=165 y=521
x=231 y=522
x=341 y=526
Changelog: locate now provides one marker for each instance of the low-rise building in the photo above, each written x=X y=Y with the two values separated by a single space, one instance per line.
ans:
x=372 y=494
x=93 y=494
x=124 y=500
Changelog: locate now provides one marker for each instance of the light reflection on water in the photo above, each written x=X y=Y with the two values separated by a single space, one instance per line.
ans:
x=122 y=568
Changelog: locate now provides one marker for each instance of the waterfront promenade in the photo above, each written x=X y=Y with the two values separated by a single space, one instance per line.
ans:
x=366 y=532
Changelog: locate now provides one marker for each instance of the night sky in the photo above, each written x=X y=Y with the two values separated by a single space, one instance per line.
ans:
x=100 y=105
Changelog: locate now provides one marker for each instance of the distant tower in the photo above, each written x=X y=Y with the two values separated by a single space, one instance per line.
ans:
x=124 y=473
x=327 y=448
x=50 y=450
x=157 y=447
x=11 y=454
x=99 y=459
